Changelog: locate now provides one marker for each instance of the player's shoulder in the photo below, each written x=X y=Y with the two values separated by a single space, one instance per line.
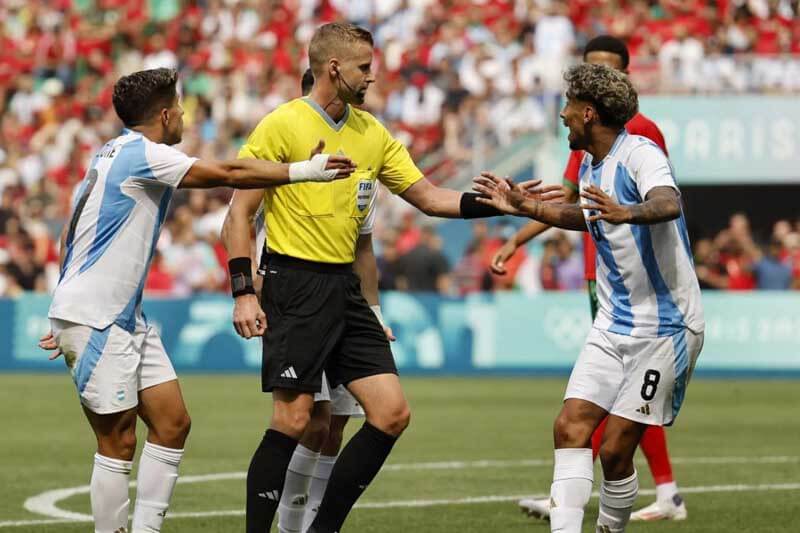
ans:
x=152 y=150
x=641 y=124
x=637 y=149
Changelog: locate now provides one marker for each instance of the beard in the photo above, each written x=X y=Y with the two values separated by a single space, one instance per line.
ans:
x=358 y=98
x=173 y=137
x=576 y=142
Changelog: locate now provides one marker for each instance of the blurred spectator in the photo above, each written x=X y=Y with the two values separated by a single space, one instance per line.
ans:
x=471 y=273
x=771 y=272
x=425 y=268
x=388 y=264
x=733 y=260
x=159 y=281
x=569 y=265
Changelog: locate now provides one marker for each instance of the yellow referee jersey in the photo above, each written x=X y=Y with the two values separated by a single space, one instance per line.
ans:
x=320 y=221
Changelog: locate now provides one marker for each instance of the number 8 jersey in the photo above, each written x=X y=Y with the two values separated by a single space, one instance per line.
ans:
x=116 y=219
x=646 y=283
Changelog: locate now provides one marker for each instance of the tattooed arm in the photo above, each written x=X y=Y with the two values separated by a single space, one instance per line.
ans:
x=662 y=204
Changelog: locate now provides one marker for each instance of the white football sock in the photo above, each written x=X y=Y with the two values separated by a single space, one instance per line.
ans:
x=109 y=494
x=319 y=482
x=158 y=472
x=294 y=497
x=573 y=475
x=665 y=492
x=616 y=502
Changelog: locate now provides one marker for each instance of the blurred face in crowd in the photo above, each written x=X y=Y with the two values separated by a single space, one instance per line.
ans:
x=609 y=59
x=352 y=73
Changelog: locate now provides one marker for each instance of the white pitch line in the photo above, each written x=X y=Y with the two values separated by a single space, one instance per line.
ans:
x=46 y=503
x=433 y=503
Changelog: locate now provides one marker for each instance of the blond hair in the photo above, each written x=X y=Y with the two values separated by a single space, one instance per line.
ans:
x=608 y=90
x=333 y=40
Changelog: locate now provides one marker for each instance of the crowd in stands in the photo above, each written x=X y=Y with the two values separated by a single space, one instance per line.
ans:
x=455 y=78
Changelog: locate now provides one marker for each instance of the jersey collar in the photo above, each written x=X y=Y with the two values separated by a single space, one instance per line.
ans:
x=336 y=126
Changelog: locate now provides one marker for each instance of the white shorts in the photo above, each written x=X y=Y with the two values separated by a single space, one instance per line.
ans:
x=640 y=379
x=110 y=366
x=342 y=402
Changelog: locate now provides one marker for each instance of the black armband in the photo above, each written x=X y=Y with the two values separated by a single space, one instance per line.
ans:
x=241 y=271
x=471 y=208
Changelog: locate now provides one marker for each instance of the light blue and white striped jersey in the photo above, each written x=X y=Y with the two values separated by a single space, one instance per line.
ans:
x=646 y=283
x=116 y=218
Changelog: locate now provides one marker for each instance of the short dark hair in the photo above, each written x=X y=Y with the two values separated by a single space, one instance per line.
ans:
x=307 y=82
x=608 y=90
x=138 y=96
x=332 y=39
x=610 y=44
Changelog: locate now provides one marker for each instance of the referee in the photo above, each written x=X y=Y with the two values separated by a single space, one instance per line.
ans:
x=321 y=276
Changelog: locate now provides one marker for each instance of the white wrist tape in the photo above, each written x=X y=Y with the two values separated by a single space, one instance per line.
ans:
x=311 y=170
x=377 y=310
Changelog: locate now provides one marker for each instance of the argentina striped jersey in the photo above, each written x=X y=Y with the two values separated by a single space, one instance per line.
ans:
x=646 y=283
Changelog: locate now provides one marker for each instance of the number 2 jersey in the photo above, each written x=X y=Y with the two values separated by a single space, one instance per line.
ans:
x=646 y=283
x=116 y=219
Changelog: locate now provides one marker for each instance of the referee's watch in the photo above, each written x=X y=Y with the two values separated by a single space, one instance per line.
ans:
x=241 y=270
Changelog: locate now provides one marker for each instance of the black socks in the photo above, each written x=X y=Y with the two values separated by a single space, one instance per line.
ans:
x=356 y=467
x=265 y=479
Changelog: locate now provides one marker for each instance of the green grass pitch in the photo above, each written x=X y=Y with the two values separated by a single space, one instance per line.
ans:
x=735 y=449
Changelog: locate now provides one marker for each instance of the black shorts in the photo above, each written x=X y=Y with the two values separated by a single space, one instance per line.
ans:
x=318 y=320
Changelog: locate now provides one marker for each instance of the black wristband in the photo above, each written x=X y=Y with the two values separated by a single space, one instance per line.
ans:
x=471 y=208
x=241 y=270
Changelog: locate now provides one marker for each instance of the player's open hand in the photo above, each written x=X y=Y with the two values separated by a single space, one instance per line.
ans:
x=604 y=206
x=498 y=264
x=341 y=164
x=248 y=317
x=534 y=190
x=48 y=342
x=501 y=193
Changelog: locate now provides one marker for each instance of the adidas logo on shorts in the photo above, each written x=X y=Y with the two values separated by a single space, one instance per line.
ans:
x=273 y=495
x=289 y=373
x=645 y=409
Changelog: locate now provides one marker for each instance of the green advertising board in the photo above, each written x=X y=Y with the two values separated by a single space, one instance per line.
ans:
x=509 y=332
x=730 y=139
x=724 y=140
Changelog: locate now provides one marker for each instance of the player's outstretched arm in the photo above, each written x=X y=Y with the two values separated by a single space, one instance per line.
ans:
x=526 y=233
x=660 y=205
x=527 y=199
x=248 y=317
x=259 y=174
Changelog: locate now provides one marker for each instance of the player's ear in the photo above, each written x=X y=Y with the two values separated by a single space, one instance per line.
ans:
x=165 y=117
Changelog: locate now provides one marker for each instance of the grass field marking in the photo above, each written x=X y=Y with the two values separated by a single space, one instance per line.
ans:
x=46 y=503
x=431 y=503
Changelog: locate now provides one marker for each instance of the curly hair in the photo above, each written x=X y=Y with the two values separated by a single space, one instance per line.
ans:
x=608 y=90
x=138 y=96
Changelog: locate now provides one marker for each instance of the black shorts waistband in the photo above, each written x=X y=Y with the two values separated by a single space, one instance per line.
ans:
x=302 y=264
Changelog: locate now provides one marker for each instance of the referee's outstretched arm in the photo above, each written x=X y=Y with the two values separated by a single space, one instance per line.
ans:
x=440 y=202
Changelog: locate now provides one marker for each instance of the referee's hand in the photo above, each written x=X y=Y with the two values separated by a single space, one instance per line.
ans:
x=248 y=317
x=342 y=164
